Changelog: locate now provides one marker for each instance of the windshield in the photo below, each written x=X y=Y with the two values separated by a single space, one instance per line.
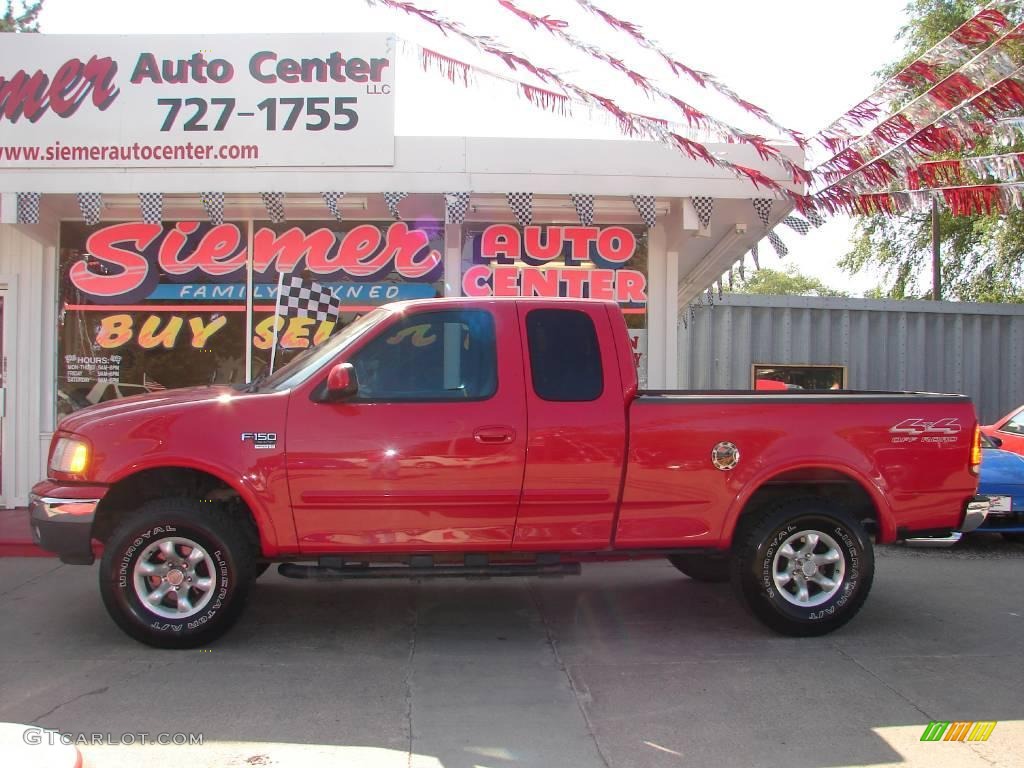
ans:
x=311 y=360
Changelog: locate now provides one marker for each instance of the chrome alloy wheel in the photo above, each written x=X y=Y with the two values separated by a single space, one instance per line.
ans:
x=808 y=568
x=174 y=577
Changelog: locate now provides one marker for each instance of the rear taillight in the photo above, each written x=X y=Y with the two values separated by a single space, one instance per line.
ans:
x=976 y=451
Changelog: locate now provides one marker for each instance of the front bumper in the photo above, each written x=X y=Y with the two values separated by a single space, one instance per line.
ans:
x=975 y=512
x=61 y=520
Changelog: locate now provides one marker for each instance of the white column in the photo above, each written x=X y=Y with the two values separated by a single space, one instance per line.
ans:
x=656 y=309
x=452 y=259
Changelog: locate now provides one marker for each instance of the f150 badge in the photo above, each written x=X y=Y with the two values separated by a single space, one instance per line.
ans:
x=938 y=431
x=260 y=439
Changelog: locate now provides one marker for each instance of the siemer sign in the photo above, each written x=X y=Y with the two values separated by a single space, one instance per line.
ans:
x=184 y=100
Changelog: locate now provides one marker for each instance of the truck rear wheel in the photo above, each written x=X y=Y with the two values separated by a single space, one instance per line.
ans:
x=804 y=567
x=175 y=573
x=703 y=567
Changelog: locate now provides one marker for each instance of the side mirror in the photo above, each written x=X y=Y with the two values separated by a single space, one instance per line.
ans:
x=341 y=383
x=996 y=441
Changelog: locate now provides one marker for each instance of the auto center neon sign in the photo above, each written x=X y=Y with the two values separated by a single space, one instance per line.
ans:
x=572 y=261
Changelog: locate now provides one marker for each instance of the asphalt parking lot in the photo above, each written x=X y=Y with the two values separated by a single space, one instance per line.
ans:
x=629 y=665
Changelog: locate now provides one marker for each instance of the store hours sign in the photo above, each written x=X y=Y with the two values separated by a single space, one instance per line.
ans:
x=172 y=101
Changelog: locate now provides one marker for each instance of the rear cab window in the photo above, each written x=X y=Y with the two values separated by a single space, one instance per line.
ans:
x=565 y=356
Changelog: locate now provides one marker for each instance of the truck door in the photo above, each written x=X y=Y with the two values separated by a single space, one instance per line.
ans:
x=429 y=454
x=577 y=428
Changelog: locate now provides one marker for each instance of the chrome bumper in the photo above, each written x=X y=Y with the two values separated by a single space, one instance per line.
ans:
x=63 y=526
x=974 y=515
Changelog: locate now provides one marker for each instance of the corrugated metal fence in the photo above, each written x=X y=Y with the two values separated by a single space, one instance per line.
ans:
x=925 y=346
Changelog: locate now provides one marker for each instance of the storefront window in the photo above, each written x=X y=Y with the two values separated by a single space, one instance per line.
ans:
x=146 y=307
x=783 y=377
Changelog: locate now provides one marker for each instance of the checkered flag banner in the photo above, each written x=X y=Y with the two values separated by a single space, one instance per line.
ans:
x=28 y=207
x=91 y=204
x=647 y=209
x=151 y=204
x=274 y=203
x=743 y=267
x=392 y=199
x=521 y=204
x=584 y=205
x=814 y=217
x=797 y=225
x=718 y=287
x=213 y=204
x=333 y=202
x=456 y=206
x=731 y=278
x=704 y=206
x=763 y=206
x=778 y=245
x=303 y=298
x=753 y=255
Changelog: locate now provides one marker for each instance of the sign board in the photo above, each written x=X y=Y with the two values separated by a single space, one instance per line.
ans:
x=179 y=101
x=555 y=260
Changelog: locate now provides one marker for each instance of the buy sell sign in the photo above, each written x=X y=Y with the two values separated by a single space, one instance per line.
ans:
x=72 y=101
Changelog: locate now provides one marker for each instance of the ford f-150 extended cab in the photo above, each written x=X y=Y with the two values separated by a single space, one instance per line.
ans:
x=493 y=437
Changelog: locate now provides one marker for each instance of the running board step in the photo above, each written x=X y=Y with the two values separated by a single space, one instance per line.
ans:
x=298 y=571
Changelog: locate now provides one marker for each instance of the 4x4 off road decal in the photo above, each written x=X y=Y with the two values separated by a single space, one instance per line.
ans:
x=937 y=431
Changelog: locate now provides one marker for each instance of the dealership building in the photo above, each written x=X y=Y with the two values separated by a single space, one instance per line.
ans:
x=150 y=209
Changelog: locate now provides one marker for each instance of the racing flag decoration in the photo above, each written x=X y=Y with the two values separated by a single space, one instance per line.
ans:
x=814 y=217
x=648 y=210
x=333 y=201
x=763 y=206
x=778 y=245
x=797 y=225
x=521 y=204
x=391 y=200
x=151 y=204
x=753 y=255
x=28 y=207
x=584 y=205
x=456 y=206
x=274 y=203
x=213 y=204
x=704 y=206
x=306 y=298
x=91 y=205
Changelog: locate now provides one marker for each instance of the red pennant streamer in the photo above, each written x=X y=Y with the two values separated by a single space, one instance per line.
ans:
x=703 y=79
x=967 y=201
x=954 y=90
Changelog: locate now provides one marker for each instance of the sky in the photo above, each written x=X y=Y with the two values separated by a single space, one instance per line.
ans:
x=805 y=61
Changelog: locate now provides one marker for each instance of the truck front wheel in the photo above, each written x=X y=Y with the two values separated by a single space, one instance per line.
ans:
x=804 y=567
x=175 y=573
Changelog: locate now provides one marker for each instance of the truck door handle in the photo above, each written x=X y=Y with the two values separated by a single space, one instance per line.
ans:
x=494 y=435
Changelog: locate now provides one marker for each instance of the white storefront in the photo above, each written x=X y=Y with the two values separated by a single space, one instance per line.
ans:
x=92 y=311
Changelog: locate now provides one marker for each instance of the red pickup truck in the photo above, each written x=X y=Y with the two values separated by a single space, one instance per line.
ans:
x=495 y=437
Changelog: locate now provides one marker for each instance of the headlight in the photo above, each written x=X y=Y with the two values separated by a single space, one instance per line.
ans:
x=70 y=456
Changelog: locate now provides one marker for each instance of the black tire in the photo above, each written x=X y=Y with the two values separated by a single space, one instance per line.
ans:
x=260 y=569
x=758 y=543
x=231 y=546
x=710 y=569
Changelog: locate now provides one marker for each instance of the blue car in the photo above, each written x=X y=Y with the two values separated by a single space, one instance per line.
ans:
x=1002 y=480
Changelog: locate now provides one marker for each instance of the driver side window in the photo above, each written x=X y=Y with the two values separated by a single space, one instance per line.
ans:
x=430 y=356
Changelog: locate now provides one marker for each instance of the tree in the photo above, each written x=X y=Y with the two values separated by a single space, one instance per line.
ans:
x=25 y=20
x=982 y=256
x=791 y=282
